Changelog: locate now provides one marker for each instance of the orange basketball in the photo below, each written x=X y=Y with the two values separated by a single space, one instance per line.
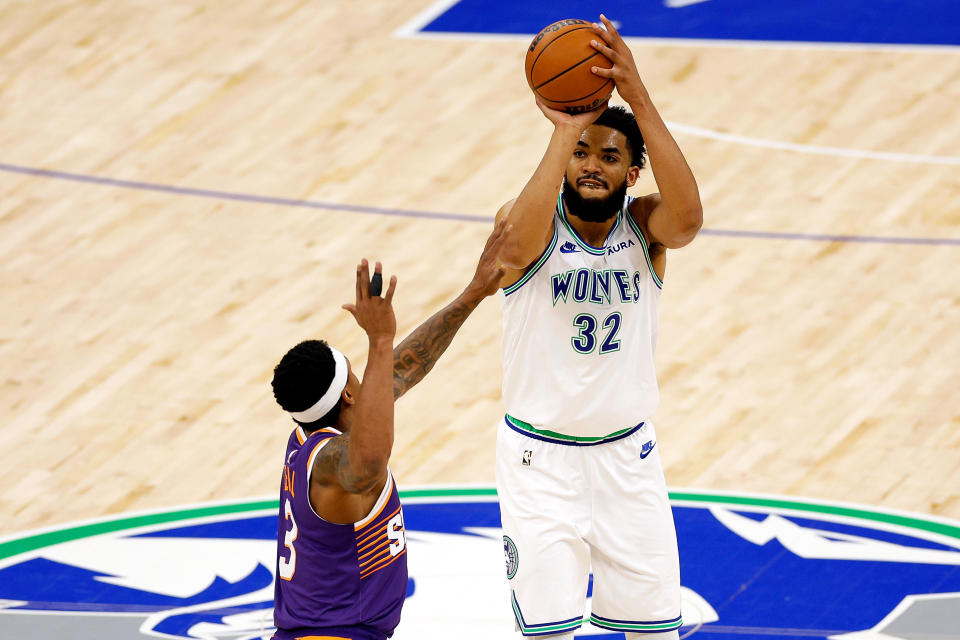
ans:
x=558 y=67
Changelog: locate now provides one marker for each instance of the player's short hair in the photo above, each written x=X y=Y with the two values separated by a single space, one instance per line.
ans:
x=302 y=377
x=623 y=121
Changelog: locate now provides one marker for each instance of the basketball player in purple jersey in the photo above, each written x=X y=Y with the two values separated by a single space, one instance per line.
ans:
x=341 y=552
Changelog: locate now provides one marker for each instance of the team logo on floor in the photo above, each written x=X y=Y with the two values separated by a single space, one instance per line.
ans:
x=750 y=567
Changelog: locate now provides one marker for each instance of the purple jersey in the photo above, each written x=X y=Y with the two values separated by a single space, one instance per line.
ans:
x=344 y=580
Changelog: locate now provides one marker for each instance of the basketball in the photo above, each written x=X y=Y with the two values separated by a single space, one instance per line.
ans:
x=558 y=67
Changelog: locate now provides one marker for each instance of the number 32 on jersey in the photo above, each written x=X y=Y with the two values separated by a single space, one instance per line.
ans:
x=593 y=332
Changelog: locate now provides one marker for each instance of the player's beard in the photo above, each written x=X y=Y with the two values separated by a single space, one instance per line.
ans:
x=593 y=209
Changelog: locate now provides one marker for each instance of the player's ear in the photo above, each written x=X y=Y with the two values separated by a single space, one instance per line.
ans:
x=632 y=174
x=347 y=397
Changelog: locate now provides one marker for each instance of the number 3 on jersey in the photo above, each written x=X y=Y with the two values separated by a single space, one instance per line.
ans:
x=586 y=341
x=287 y=567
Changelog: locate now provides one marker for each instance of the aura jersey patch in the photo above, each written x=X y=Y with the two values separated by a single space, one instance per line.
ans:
x=749 y=566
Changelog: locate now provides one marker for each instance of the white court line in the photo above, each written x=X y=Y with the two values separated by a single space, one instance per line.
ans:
x=814 y=149
x=693 y=42
x=678 y=4
x=412 y=29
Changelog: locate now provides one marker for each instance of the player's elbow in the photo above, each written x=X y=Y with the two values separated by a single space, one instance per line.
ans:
x=685 y=229
x=692 y=220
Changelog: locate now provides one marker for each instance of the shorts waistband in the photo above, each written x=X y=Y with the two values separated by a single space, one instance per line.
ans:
x=561 y=438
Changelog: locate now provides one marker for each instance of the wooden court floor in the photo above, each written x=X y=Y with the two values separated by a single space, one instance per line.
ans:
x=185 y=189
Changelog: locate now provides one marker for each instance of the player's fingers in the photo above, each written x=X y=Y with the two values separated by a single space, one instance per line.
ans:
x=393 y=285
x=499 y=236
x=604 y=49
x=351 y=308
x=602 y=72
x=598 y=29
x=610 y=29
x=376 y=282
x=363 y=282
x=358 y=283
x=495 y=234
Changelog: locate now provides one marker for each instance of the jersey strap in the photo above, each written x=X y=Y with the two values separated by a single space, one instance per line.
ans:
x=536 y=267
x=646 y=249
x=561 y=438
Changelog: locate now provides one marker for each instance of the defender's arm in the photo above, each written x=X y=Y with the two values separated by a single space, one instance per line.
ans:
x=357 y=463
x=419 y=351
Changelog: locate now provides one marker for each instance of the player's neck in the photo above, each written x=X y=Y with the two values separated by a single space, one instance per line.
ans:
x=344 y=420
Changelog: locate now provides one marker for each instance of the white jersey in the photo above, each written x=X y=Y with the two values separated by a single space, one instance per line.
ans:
x=579 y=333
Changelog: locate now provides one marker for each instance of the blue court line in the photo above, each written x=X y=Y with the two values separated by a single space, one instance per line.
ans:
x=430 y=215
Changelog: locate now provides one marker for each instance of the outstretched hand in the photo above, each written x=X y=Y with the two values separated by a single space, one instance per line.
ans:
x=486 y=281
x=373 y=313
x=624 y=71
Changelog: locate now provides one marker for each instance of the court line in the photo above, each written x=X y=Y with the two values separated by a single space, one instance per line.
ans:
x=464 y=36
x=429 y=215
x=415 y=25
x=863 y=154
x=414 y=29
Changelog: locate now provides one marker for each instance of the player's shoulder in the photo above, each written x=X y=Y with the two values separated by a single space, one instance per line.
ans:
x=641 y=207
x=505 y=210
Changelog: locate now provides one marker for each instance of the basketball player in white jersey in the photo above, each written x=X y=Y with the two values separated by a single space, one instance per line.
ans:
x=578 y=468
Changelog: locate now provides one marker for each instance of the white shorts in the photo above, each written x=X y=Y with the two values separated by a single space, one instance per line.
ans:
x=569 y=507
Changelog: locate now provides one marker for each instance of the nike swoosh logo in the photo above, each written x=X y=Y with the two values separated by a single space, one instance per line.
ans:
x=568 y=248
x=646 y=452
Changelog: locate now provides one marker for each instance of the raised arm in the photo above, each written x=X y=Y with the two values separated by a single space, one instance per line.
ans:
x=356 y=462
x=674 y=216
x=415 y=356
x=531 y=214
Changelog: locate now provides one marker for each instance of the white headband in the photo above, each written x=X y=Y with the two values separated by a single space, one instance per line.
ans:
x=331 y=397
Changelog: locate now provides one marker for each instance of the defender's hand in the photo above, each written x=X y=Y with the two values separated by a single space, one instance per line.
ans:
x=486 y=281
x=624 y=71
x=373 y=313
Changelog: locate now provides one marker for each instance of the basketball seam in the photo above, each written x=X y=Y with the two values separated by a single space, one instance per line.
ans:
x=580 y=98
x=547 y=46
x=574 y=66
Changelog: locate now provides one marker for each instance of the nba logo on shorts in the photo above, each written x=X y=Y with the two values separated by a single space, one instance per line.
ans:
x=527 y=455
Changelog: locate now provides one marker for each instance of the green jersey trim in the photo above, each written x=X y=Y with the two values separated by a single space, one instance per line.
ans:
x=562 y=438
x=596 y=251
x=617 y=625
x=536 y=267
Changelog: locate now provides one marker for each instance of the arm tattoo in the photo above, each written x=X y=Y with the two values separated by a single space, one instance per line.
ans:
x=415 y=356
x=333 y=463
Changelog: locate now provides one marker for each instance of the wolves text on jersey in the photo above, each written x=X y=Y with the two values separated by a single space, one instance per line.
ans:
x=597 y=287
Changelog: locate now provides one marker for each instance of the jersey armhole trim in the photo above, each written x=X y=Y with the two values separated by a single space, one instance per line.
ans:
x=536 y=267
x=646 y=249
x=380 y=504
x=313 y=456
